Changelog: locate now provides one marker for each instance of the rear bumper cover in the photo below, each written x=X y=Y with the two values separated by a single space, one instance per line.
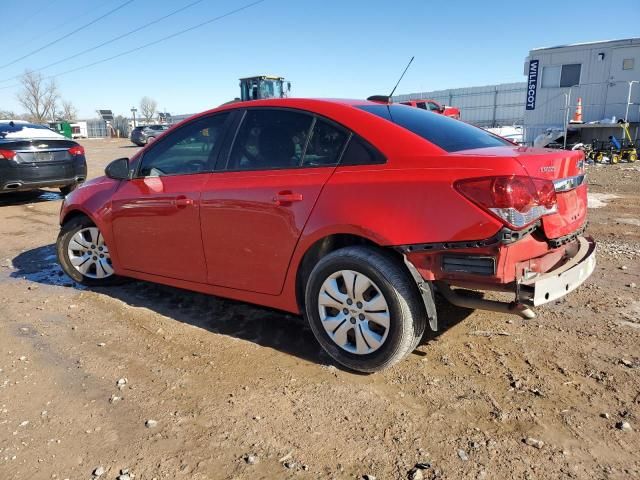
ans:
x=19 y=177
x=562 y=280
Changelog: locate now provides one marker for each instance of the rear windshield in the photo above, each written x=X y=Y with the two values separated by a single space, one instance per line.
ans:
x=449 y=134
x=10 y=127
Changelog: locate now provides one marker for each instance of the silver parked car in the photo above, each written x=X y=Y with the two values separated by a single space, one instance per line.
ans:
x=147 y=133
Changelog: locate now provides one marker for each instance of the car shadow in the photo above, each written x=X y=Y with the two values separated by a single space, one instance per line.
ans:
x=263 y=326
x=25 y=198
x=266 y=327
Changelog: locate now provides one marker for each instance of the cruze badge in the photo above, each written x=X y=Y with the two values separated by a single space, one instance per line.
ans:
x=548 y=169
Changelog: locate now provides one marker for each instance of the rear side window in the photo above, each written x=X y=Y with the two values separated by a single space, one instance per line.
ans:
x=449 y=134
x=360 y=152
x=325 y=146
x=269 y=139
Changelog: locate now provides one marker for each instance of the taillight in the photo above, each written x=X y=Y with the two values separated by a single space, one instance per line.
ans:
x=77 y=150
x=7 y=154
x=516 y=200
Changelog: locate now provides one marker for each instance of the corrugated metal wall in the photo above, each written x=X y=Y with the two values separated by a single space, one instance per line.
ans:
x=96 y=128
x=488 y=106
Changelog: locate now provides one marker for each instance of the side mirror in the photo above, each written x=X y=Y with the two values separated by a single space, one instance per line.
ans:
x=118 y=169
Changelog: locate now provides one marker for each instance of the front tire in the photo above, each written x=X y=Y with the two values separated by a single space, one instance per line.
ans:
x=84 y=255
x=364 y=308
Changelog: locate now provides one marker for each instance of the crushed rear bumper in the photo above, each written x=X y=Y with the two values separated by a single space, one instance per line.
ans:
x=562 y=280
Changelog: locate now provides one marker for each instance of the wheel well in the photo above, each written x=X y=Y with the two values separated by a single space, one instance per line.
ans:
x=325 y=246
x=73 y=214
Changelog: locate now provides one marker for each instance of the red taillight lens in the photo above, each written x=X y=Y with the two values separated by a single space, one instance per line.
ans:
x=546 y=192
x=7 y=154
x=77 y=150
x=517 y=200
x=512 y=192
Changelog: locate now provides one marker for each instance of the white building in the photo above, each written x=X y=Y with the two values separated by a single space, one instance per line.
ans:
x=602 y=74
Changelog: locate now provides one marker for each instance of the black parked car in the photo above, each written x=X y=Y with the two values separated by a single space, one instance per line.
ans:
x=147 y=133
x=33 y=156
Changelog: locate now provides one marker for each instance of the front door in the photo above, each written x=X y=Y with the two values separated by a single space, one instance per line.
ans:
x=254 y=210
x=156 y=215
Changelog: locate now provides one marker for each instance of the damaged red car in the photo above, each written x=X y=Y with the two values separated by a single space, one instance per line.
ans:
x=352 y=213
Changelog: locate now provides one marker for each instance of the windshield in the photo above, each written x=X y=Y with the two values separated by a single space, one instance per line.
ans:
x=449 y=134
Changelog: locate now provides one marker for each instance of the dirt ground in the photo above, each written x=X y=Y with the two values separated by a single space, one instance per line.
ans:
x=236 y=391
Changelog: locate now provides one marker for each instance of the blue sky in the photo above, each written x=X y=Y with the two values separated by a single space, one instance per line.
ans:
x=327 y=48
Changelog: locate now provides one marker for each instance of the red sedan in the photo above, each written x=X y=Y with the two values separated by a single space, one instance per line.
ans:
x=350 y=212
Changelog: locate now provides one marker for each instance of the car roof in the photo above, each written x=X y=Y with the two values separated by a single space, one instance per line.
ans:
x=296 y=102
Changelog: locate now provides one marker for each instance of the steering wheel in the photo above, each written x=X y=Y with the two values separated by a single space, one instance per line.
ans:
x=197 y=165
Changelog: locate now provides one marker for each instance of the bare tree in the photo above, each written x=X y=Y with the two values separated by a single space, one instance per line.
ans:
x=148 y=107
x=38 y=97
x=69 y=111
x=7 y=115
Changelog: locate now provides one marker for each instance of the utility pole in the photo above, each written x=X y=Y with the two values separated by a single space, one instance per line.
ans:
x=133 y=111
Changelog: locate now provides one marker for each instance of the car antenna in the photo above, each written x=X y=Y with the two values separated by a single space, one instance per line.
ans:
x=387 y=98
x=401 y=77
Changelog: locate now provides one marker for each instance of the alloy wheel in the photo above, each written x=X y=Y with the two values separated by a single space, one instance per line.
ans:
x=89 y=254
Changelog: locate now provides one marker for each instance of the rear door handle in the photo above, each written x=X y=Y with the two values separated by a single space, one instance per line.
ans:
x=286 y=197
x=182 y=202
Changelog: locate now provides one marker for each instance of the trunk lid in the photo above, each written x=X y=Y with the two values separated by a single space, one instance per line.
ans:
x=566 y=169
x=40 y=151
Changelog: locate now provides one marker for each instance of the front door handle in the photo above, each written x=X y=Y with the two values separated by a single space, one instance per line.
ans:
x=287 y=197
x=182 y=202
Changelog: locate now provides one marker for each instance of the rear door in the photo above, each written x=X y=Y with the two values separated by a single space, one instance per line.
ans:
x=156 y=216
x=254 y=210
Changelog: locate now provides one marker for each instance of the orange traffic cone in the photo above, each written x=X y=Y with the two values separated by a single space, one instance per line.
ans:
x=577 y=116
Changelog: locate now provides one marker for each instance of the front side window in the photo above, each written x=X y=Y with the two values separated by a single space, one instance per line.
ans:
x=185 y=151
x=434 y=107
x=449 y=134
x=325 y=145
x=269 y=139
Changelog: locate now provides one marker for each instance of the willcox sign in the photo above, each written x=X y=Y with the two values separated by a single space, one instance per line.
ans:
x=532 y=85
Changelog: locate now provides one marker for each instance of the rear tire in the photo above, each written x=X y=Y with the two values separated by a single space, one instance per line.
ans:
x=83 y=254
x=360 y=338
x=67 y=189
